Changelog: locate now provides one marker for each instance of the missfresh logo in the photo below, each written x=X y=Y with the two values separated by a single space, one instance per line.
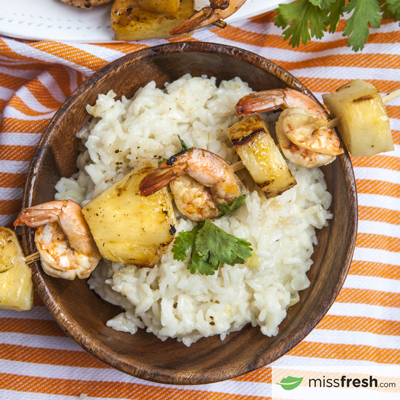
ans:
x=290 y=383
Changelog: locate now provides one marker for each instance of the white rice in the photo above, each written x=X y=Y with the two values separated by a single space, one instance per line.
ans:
x=168 y=300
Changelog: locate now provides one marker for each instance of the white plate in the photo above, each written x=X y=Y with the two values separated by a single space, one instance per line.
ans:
x=53 y=20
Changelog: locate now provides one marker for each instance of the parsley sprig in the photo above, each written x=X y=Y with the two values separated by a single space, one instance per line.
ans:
x=210 y=247
x=305 y=19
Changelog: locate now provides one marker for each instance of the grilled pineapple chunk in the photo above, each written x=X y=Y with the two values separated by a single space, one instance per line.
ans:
x=364 y=125
x=261 y=156
x=130 y=22
x=16 y=287
x=130 y=228
x=159 y=6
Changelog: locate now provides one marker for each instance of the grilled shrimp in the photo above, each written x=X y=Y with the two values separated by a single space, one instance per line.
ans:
x=301 y=129
x=297 y=155
x=309 y=132
x=63 y=239
x=218 y=9
x=274 y=99
x=193 y=199
x=215 y=183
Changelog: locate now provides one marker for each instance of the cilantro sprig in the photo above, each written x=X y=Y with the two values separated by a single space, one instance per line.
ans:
x=226 y=209
x=210 y=247
x=305 y=19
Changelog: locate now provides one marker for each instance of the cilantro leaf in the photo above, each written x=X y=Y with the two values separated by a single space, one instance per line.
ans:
x=210 y=246
x=184 y=242
x=394 y=7
x=220 y=247
x=390 y=9
x=237 y=203
x=199 y=262
x=323 y=3
x=364 y=12
x=335 y=12
x=305 y=19
x=184 y=145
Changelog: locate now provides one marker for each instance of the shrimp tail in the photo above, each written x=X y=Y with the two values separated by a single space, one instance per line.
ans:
x=37 y=216
x=201 y=18
x=157 y=179
x=266 y=100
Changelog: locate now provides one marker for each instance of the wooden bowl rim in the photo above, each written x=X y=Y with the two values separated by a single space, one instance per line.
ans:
x=110 y=357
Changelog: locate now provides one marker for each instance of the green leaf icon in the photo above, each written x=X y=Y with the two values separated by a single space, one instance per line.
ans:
x=290 y=382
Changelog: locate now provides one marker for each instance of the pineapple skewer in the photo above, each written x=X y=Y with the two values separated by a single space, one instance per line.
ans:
x=364 y=125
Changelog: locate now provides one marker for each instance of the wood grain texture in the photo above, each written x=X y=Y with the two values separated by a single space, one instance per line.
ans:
x=83 y=315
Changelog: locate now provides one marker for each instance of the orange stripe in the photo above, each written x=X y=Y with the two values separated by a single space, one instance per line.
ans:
x=382 y=242
x=379 y=214
x=19 y=125
x=72 y=54
x=31 y=327
x=16 y=153
x=261 y=375
x=3 y=104
x=371 y=297
x=121 y=390
x=42 y=94
x=346 y=352
x=383 y=161
x=12 y=180
x=17 y=103
x=369 y=268
x=66 y=358
x=396 y=137
x=378 y=187
x=324 y=85
x=61 y=76
x=8 y=207
x=360 y=324
x=277 y=41
x=393 y=111
x=23 y=66
x=5 y=51
x=11 y=82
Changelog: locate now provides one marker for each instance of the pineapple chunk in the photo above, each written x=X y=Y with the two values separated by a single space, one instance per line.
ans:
x=130 y=228
x=364 y=125
x=16 y=287
x=159 y=6
x=130 y=22
x=261 y=156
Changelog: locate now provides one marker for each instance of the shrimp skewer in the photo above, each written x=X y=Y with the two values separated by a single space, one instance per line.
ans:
x=63 y=239
x=218 y=9
x=302 y=131
x=213 y=183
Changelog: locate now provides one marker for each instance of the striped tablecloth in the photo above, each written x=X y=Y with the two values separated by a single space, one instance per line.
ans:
x=360 y=336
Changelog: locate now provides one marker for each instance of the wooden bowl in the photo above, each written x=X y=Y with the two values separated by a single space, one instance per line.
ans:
x=83 y=314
